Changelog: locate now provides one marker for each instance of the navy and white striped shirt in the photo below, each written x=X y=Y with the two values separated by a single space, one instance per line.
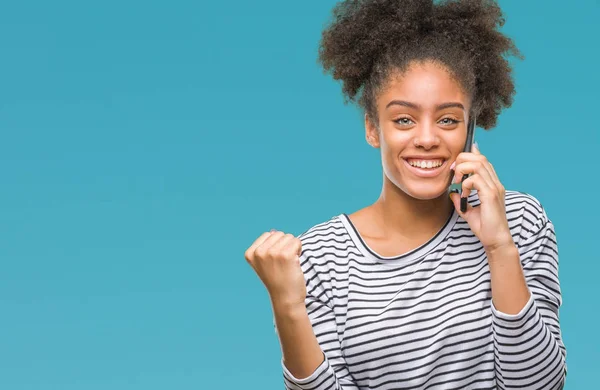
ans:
x=425 y=319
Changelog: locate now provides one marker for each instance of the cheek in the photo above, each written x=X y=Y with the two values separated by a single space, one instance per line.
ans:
x=393 y=144
x=394 y=141
x=455 y=143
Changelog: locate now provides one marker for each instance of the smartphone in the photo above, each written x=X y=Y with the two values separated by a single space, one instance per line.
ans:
x=457 y=187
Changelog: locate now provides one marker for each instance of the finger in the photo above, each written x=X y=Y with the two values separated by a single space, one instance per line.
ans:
x=476 y=182
x=490 y=168
x=249 y=254
x=292 y=249
x=472 y=168
x=295 y=247
x=470 y=156
x=494 y=175
x=476 y=155
x=263 y=248
x=281 y=244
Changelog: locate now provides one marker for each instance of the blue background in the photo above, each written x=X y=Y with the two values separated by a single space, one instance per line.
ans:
x=144 y=145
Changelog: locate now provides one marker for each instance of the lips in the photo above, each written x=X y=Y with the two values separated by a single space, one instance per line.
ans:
x=425 y=167
x=425 y=163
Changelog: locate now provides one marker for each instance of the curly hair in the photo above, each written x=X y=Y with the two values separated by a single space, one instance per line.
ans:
x=369 y=40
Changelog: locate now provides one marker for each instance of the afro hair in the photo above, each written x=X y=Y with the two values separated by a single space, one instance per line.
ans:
x=367 y=41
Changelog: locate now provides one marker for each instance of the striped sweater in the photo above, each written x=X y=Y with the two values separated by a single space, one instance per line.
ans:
x=425 y=319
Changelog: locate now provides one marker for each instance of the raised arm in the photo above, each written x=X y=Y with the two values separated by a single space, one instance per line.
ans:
x=304 y=322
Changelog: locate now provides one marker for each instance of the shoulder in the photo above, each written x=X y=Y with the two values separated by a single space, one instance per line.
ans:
x=327 y=247
x=323 y=234
x=525 y=214
x=521 y=203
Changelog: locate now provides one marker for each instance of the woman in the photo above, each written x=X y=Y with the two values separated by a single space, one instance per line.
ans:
x=410 y=292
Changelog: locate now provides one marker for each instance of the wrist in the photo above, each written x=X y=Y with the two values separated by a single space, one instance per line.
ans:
x=288 y=310
x=499 y=252
x=503 y=242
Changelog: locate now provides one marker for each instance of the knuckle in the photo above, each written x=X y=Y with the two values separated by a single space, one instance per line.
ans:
x=271 y=254
x=289 y=253
x=260 y=253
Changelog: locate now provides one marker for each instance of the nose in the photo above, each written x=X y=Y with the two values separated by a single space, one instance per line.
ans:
x=426 y=136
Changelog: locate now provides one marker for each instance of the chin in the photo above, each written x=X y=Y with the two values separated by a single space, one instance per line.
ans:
x=421 y=188
x=426 y=191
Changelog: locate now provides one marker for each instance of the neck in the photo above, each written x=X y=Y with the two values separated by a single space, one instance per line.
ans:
x=398 y=214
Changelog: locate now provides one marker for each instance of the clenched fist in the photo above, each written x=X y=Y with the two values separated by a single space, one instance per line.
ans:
x=275 y=257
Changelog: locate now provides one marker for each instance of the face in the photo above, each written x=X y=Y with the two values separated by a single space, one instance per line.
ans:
x=421 y=129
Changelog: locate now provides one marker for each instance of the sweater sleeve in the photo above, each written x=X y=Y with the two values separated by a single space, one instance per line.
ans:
x=333 y=373
x=529 y=351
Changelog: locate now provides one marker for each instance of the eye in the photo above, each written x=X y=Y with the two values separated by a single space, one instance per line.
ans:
x=403 y=121
x=449 y=121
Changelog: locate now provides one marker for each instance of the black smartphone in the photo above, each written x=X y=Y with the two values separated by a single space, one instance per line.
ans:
x=457 y=187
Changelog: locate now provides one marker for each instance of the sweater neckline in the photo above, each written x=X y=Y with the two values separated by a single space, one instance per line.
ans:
x=414 y=254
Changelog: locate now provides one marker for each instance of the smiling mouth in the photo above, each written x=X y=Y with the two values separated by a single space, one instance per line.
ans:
x=425 y=168
x=425 y=164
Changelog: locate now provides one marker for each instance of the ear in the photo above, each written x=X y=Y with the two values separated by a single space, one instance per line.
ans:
x=371 y=132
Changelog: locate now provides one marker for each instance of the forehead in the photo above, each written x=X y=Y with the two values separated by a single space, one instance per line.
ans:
x=426 y=83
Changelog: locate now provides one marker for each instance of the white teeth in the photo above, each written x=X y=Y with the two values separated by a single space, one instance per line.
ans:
x=426 y=164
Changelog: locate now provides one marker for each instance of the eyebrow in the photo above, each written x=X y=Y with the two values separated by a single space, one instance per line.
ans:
x=417 y=107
